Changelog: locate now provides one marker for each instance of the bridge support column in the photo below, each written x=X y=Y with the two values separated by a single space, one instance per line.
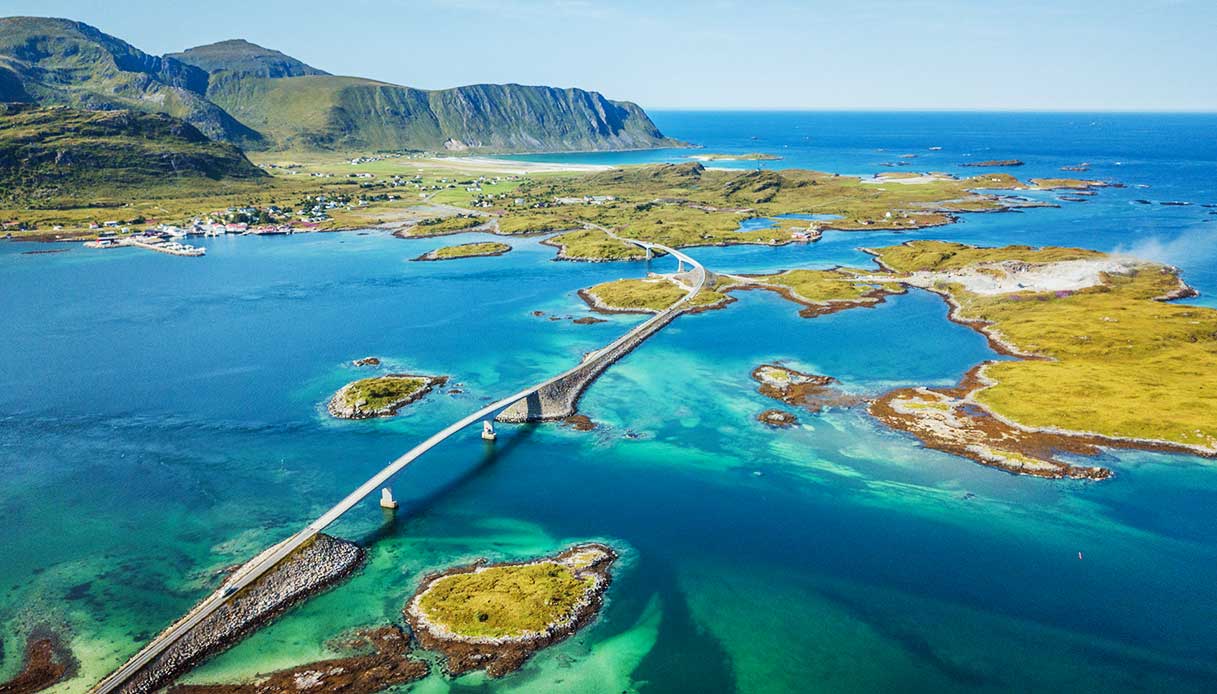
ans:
x=650 y=253
x=488 y=431
x=387 y=500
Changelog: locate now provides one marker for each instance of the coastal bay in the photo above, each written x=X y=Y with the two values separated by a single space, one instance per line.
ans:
x=685 y=503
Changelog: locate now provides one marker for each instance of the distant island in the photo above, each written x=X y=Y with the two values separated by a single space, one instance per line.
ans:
x=752 y=156
x=994 y=163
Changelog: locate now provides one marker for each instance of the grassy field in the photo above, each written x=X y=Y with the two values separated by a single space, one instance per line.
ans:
x=653 y=294
x=678 y=205
x=439 y=226
x=593 y=244
x=505 y=601
x=1118 y=362
x=825 y=286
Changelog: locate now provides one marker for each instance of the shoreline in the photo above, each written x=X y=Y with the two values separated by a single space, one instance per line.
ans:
x=430 y=256
x=505 y=654
x=337 y=408
x=975 y=381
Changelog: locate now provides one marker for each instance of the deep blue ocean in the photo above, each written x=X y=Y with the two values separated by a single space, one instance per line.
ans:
x=162 y=418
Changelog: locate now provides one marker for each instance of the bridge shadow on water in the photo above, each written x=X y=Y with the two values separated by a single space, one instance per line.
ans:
x=492 y=451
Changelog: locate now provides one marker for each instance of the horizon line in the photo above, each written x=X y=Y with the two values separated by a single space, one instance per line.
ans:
x=894 y=109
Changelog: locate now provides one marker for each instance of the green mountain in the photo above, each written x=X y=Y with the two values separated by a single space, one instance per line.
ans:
x=58 y=61
x=240 y=92
x=294 y=105
x=242 y=57
x=52 y=152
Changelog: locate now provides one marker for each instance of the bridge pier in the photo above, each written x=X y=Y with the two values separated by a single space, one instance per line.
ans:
x=386 y=499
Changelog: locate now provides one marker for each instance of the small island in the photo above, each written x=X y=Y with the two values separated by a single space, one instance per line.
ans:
x=809 y=391
x=995 y=162
x=779 y=419
x=750 y=156
x=381 y=396
x=1066 y=184
x=466 y=250
x=651 y=294
x=495 y=616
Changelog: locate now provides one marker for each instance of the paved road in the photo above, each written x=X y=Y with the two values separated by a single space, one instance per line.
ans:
x=258 y=566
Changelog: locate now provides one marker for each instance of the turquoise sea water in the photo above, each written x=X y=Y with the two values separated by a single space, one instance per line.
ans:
x=162 y=418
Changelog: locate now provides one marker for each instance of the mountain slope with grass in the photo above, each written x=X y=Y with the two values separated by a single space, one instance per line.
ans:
x=236 y=91
x=61 y=62
x=351 y=113
x=49 y=155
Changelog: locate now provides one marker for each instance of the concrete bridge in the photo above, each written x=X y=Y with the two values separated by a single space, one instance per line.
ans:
x=553 y=398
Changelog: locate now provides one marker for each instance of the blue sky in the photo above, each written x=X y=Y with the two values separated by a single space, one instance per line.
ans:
x=911 y=54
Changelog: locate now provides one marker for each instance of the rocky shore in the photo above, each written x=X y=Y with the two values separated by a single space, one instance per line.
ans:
x=485 y=639
x=812 y=392
x=381 y=396
x=381 y=661
x=945 y=420
x=777 y=418
x=47 y=662
x=314 y=567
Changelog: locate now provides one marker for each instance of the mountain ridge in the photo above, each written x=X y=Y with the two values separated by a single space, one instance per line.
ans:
x=260 y=98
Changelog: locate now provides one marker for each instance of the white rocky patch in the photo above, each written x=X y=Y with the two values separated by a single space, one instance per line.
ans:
x=1012 y=276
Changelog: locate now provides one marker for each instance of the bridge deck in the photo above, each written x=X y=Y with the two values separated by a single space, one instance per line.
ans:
x=576 y=377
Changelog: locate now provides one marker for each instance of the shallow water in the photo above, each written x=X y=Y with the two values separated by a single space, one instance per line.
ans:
x=162 y=418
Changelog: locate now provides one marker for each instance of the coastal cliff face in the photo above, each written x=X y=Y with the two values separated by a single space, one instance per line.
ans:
x=350 y=113
x=256 y=97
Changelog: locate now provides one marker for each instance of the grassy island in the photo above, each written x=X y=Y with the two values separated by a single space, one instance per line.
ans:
x=751 y=156
x=380 y=396
x=593 y=245
x=683 y=205
x=823 y=291
x=649 y=295
x=466 y=250
x=494 y=616
x=1104 y=357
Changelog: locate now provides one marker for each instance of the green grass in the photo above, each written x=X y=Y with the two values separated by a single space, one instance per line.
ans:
x=945 y=255
x=504 y=601
x=52 y=155
x=437 y=226
x=824 y=286
x=684 y=205
x=595 y=244
x=652 y=294
x=383 y=391
x=524 y=223
x=466 y=250
x=1118 y=362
